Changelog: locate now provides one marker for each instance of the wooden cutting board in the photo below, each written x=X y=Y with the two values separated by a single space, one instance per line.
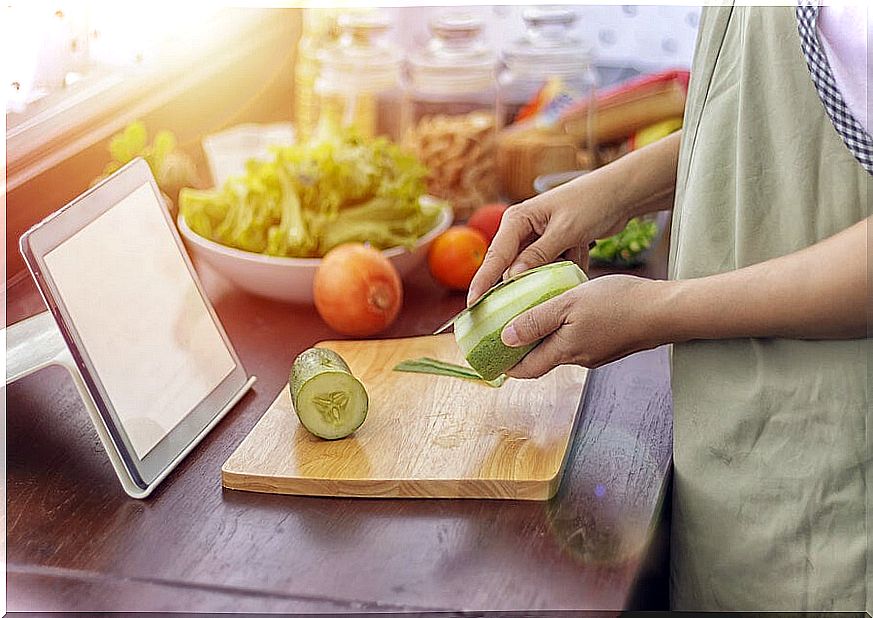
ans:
x=425 y=436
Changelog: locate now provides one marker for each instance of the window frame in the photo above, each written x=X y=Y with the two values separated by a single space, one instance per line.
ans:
x=69 y=121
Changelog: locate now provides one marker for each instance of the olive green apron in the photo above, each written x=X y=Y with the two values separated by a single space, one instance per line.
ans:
x=770 y=448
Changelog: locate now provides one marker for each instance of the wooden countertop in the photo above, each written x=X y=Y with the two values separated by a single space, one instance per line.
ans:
x=77 y=543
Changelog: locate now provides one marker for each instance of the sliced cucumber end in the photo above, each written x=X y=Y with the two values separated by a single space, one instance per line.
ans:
x=332 y=404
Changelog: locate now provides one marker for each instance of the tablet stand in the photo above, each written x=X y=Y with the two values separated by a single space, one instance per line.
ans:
x=36 y=343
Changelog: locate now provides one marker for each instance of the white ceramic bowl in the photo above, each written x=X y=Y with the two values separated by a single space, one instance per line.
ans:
x=290 y=279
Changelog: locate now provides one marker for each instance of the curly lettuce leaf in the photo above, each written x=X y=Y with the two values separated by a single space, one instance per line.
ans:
x=312 y=197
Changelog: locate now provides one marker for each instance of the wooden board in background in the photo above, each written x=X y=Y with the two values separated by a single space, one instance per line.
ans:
x=425 y=436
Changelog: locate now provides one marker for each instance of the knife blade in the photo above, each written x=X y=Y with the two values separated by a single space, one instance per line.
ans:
x=450 y=321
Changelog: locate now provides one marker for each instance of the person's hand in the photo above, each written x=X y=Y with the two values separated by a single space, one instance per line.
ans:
x=560 y=222
x=593 y=324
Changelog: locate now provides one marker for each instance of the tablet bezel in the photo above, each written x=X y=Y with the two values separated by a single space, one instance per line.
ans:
x=62 y=225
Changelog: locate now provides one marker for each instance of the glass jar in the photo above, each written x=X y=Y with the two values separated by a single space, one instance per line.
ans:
x=545 y=71
x=547 y=52
x=319 y=30
x=450 y=112
x=359 y=85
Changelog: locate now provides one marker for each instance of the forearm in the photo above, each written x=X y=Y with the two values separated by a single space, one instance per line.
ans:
x=640 y=182
x=816 y=293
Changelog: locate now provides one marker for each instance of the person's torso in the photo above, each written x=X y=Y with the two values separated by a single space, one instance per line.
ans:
x=769 y=435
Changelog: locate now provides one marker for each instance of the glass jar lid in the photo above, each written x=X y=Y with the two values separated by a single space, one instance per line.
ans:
x=361 y=60
x=456 y=58
x=548 y=46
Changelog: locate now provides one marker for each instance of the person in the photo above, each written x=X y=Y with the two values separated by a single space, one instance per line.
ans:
x=765 y=307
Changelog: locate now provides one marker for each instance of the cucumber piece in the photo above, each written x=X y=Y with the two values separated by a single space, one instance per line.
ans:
x=477 y=330
x=330 y=402
x=432 y=366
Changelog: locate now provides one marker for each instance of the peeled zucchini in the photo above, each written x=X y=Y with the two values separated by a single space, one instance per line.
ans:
x=330 y=402
x=477 y=330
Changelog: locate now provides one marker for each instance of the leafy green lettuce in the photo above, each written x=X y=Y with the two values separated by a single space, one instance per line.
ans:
x=312 y=197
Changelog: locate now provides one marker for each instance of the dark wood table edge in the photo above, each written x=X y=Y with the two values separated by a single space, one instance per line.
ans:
x=131 y=585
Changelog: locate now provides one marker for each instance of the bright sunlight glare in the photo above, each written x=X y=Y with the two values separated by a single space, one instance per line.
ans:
x=46 y=45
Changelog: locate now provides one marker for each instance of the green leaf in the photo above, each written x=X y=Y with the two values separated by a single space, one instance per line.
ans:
x=163 y=144
x=627 y=244
x=129 y=143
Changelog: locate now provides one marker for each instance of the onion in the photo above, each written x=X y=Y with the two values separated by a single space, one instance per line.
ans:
x=357 y=290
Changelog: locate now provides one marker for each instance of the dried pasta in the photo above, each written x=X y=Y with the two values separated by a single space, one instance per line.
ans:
x=459 y=153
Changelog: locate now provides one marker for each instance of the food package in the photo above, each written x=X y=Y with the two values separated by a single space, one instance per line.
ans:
x=653 y=133
x=625 y=109
x=521 y=157
x=532 y=148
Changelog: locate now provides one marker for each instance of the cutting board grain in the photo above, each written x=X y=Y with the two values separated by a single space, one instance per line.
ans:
x=425 y=436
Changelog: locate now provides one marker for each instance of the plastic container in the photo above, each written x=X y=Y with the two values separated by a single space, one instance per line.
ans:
x=450 y=112
x=359 y=84
x=623 y=258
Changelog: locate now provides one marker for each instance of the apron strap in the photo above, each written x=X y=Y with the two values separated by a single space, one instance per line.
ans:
x=850 y=130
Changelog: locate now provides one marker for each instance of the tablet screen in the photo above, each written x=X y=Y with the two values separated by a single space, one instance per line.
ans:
x=140 y=317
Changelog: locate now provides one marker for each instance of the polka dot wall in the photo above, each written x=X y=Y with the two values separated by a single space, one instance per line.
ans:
x=642 y=37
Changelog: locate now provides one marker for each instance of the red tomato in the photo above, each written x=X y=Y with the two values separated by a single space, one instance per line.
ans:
x=487 y=219
x=455 y=256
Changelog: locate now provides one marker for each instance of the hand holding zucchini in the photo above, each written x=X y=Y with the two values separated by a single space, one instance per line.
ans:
x=330 y=402
x=478 y=328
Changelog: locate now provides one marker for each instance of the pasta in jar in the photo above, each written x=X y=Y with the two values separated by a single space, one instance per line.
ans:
x=459 y=153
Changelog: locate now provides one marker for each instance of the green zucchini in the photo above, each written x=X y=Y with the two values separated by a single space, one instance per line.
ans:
x=478 y=329
x=330 y=402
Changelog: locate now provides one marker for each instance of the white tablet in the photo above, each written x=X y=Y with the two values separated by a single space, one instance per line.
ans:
x=151 y=350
